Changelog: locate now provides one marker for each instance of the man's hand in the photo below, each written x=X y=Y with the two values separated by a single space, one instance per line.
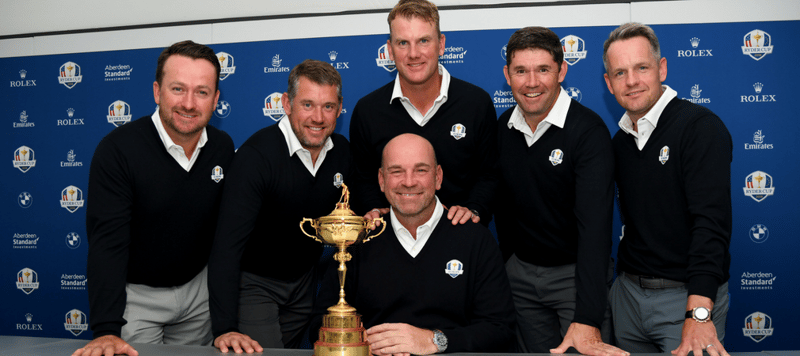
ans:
x=586 y=339
x=400 y=339
x=460 y=215
x=374 y=214
x=697 y=336
x=238 y=342
x=108 y=345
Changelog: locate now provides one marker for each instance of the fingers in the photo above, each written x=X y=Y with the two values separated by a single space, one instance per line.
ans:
x=460 y=215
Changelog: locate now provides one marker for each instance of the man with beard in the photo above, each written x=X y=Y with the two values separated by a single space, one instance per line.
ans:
x=261 y=270
x=154 y=191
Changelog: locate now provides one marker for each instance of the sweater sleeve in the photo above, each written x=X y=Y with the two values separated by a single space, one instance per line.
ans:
x=248 y=178
x=367 y=193
x=108 y=216
x=594 y=194
x=492 y=311
x=708 y=152
x=482 y=193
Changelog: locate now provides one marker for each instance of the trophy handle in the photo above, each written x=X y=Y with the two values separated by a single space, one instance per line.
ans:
x=312 y=225
x=369 y=223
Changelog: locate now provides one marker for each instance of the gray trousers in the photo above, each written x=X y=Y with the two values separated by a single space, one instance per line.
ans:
x=273 y=312
x=174 y=315
x=544 y=298
x=651 y=320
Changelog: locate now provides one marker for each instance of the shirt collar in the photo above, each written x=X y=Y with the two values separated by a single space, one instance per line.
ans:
x=397 y=92
x=652 y=115
x=167 y=141
x=430 y=224
x=292 y=142
x=557 y=115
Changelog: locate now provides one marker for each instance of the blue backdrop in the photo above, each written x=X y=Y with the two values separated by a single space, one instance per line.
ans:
x=58 y=107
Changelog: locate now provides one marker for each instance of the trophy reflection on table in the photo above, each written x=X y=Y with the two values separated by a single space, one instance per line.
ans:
x=341 y=333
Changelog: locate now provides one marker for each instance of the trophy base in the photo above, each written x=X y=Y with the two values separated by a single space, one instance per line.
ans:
x=341 y=335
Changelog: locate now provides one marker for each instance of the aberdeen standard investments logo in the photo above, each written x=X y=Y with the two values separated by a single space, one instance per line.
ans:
x=757 y=326
x=758 y=185
x=757 y=281
x=757 y=44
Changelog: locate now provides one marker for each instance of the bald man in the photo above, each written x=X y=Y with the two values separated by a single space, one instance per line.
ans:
x=460 y=300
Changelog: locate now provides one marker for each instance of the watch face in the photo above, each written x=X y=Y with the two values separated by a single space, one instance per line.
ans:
x=701 y=313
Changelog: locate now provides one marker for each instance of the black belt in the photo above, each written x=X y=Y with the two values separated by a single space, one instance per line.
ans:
x=653 y=282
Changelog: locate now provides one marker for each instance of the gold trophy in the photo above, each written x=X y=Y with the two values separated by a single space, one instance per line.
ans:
x=341 y=333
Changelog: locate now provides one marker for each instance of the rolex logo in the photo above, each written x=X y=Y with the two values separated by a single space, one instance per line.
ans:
x=695 y=42
x=70 y=112
x=29 y=317
x=332 y=55
x=758 y=86
x=23 y=73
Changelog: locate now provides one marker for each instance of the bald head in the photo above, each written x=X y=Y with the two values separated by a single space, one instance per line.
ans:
x=404 y=143
x=410 y=177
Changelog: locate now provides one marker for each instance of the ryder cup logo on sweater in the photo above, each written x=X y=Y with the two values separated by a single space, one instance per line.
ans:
x=338 y=180
x=216 y=174
x=119 y=113
x=458 y=131
x=574 y=49
x=24 y=159
x=226 y=65
x=556 y=156
x=27 y=280
x=757 y=326
x=383 y=60
x=757 y=44
x=273 y=106
x=454 y=268
x=758 y=233
x=758 y=185
x=663 y=155
x=71 y=198
x=70 y=74
x=75 y=322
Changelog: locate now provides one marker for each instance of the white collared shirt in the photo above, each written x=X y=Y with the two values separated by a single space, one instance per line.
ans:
x=647 y=123
x=557 y=116
x=420 y=119
x=296 y=148
x=175 y=150
x=424 y=231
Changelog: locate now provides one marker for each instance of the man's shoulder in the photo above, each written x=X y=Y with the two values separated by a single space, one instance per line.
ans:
x=582 y=118
x=680 y=113
x=378 y=96
x=267 y=137
x=131 y=134
x=218 y=137
x=460 y=87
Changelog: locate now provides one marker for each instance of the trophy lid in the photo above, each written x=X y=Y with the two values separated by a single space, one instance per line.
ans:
x=342 y=210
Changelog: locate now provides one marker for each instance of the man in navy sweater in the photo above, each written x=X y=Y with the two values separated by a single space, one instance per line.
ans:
x=424 y=286
x=458 y=118
x=673 y=163
x=154 y=191
x=261 y=269
x=555 y=204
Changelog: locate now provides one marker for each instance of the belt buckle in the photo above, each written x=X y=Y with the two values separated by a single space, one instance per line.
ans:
x=661 y=282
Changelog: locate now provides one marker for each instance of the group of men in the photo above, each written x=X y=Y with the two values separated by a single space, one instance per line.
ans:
x=230 y=267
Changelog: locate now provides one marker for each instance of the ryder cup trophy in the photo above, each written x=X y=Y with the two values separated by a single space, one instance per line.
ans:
x=341 y=333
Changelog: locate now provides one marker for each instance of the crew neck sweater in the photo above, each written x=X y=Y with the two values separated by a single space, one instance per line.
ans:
x=677 y=208
x=148 y=220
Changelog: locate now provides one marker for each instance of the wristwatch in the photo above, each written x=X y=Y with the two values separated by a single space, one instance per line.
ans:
x=700 y=314
x=474 y=212
x=440 y=341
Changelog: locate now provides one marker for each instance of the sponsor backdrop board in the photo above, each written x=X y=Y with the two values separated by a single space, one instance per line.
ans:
x=56 y=108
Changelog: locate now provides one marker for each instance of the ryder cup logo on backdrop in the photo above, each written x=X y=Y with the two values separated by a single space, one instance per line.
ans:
x=70 y=74
x=24 y=159
x=758 y=185
x=574 y=49
x=757 y=326
x=273 y=106
x=556 y=156
x=504 y=52
x=383 y=60
x=226 y=65
x=71 y=198
x=27 y=280
x=119 y=113
x=758 y=233
x=454 y=268
x=757 y=44
x=75 y=322
x=216 y=174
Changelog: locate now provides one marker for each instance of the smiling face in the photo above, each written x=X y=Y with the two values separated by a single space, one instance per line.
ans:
x=313 y=113
x=410 y=177
x=186 y=96
x=634 y=75
x=415 y=46
x=535 y=80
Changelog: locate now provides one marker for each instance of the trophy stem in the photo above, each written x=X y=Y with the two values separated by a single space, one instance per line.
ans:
x=342 y=307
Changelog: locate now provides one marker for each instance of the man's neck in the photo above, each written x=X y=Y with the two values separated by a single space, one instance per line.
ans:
x=411 y=223
x=422 y=96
